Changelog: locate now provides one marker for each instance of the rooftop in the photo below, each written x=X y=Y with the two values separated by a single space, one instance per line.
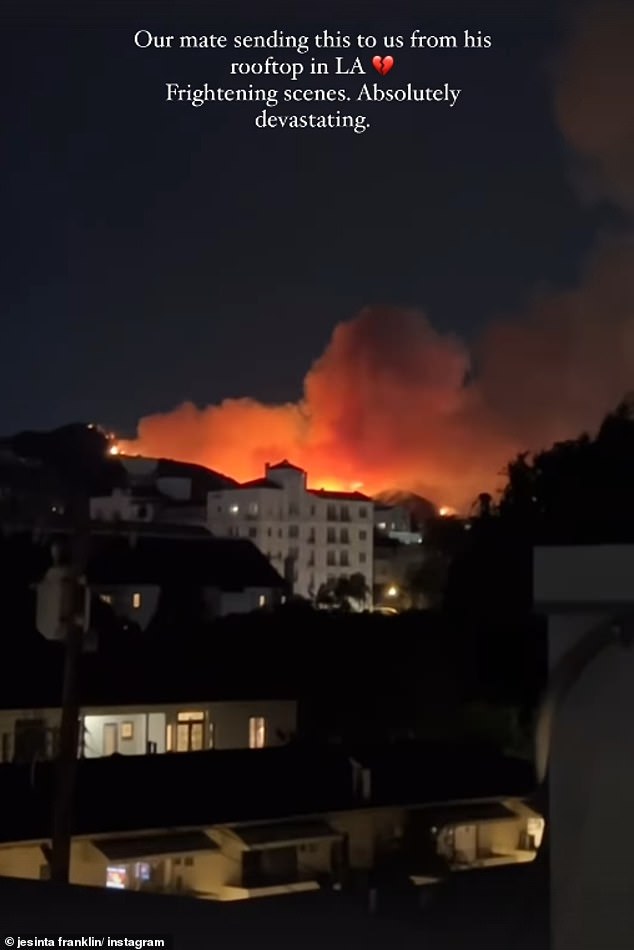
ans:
x=284 y=464
x=340 y=495
x=134 y=671
x=200 y=789
x=153 y=555
x=260 y=483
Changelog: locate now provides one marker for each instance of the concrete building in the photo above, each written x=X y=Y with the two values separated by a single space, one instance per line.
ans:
x=585 y=741
x=311 y=537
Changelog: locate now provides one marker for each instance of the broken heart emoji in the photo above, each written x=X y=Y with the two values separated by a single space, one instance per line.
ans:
x=383 y=64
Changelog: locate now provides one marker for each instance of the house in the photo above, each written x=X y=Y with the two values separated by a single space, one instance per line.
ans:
x=133 y=568
x=585 y=745
x=28 y=735
x=312 y=537
x=135 y=702
x=234 y=825
x=160 y=491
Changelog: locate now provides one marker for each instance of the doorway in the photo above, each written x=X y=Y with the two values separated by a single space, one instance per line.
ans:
x=110 y=738
x=466 y=844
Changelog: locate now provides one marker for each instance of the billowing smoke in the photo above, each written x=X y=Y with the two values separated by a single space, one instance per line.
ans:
x=393 y=403
x=593 y=99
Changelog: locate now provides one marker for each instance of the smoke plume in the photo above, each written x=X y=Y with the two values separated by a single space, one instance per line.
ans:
x=394 y=403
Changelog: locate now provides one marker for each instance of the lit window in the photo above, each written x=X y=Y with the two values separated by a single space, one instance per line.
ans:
x=190 y=731
x=127 y=730
x=382 y=525
x=262 y=600
x=136 y=601
x=234 y=509
x=257 y=732
x=107 y=599
x=117 y=878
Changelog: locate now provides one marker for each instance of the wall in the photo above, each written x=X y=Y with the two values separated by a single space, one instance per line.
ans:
x=314 y=859
x=231 y=722
x=21 y=861
x=207 y=875
x=500 y=837
x=367 y=831
x=243 y=601
x=121 y=506
x=122 y=601
x=87 y=864
x=591 y=774
x=94 y=734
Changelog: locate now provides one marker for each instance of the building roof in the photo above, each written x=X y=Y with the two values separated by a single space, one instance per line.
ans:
x=468 y=814
x=339 y=495
x=201 y=789
x=153 y=555
x=143 y=670
x=263 y=834
x=212 y=480
x=153 y=846
x=230 y=564
x=261 y=483
x=284 y=464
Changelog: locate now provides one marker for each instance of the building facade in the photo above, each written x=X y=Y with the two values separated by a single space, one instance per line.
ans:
x=28 y=735
x=312 y=537
x=229 y=862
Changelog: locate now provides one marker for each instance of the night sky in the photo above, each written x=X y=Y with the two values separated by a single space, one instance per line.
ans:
x=156 y=253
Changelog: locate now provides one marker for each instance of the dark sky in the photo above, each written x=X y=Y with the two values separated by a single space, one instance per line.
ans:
x=155 y=253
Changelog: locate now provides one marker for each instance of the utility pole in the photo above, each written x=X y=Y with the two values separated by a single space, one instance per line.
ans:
x=74 y=617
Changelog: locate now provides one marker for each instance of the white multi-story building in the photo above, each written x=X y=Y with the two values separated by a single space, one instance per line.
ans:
x=310 y=536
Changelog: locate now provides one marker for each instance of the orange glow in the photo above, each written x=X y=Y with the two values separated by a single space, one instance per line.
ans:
x=394 y=404
x=446 y=512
